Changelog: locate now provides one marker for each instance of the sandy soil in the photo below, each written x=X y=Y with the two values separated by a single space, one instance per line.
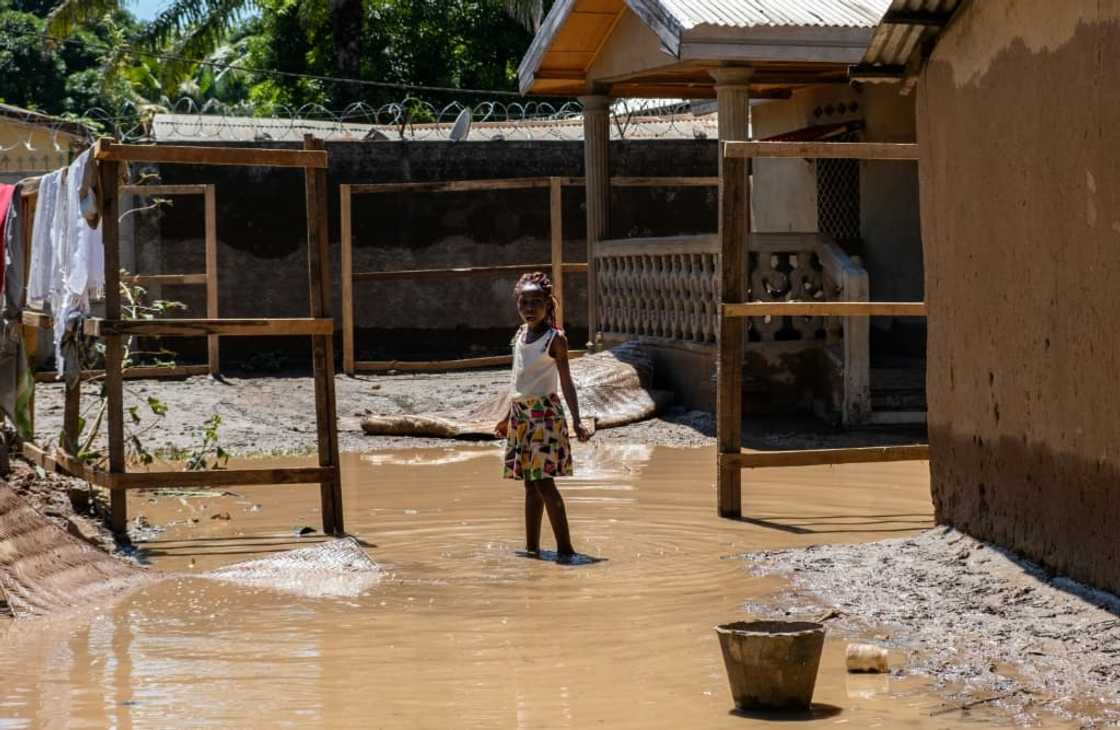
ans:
x=987 y=626
x=276 y=415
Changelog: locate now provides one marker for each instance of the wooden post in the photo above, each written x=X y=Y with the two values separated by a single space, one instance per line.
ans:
x=319 y=274
x=733 y=94
x=596 y=158
x=556 y=223
x=114 y=346
x=71 y=417
x=211 y=215
x=347 y=275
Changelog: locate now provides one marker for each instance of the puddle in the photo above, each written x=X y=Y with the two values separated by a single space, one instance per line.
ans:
x=461 y=630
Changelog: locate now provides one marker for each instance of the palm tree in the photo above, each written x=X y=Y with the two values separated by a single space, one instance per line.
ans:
x=529 y=13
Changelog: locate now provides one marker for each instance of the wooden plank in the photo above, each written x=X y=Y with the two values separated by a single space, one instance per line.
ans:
x=197 y=327
x=322 y=347
x=114 y=345
x=347 y=275
x=210 y=219
x=820 y=457
x=38 y=320
x=221 y=478
x=556 y=241
x=665 y=182
x=147 y=372
x=452 y=186
x=165 y=279
x=511 y=269
x=106 y=150
x=150 y=190
x=419 y=366
x=649 y=182
x=60 y=462
x=822 y=150
x=734 y=225
x=825 y=309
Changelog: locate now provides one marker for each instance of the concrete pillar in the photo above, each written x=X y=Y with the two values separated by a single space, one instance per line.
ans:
x=733 y=96
x=596 y=156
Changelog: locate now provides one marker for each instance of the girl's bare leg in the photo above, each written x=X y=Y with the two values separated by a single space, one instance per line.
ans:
x=557 y=515
x=534 y=511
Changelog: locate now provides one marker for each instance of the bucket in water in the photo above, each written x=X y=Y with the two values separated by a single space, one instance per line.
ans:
x=772 y=665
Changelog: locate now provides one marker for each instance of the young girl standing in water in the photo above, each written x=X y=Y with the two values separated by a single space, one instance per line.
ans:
x=536 y=430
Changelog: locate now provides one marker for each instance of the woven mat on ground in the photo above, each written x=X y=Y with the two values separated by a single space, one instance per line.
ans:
x=45 y=569
x=614 y=389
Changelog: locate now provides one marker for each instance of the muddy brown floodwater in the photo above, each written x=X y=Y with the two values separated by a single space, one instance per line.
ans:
x=460 y=631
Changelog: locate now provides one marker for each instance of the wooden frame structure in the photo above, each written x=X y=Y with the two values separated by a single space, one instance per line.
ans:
x=734 y=226
x=112 y=329
x=556 y=265
x=209 y=279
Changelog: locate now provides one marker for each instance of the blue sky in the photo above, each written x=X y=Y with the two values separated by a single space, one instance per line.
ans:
x=146 y=9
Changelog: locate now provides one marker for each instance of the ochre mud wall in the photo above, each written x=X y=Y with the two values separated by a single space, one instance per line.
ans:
x=1020 y=184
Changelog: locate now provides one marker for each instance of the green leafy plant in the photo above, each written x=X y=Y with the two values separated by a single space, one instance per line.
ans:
x=209 y=454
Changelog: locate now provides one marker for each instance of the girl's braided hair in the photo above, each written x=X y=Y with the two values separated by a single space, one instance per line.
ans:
x=538 y=280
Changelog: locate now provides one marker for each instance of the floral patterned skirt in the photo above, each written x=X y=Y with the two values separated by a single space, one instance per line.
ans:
x=537 y=446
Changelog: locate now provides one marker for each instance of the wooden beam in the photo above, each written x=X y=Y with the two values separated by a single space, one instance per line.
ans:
x=452 y=186
x=165 y=279
x=734 y=226
x=322 y=346
x=106 y=150
x=464 y=271
x=197 y=327
x=822 y=150
x=39 y=320
x=114 y=345
x=418 y=366
x=556 y=245
x=60 y=462
x=821 y=457
x=221 y=478
x=665 y=182
x=146 y=372
x=150 y=190
x=876 y=72
x=346 y=244
x=210 y=215
x=916 y=17
x=825 y=309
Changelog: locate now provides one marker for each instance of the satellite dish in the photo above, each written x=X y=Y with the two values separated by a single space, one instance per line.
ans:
x=462 y=125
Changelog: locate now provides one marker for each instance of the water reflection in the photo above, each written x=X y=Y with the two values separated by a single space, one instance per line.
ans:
x=460 y=631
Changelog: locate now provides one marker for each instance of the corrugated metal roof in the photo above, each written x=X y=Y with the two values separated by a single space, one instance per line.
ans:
x=777 y=13
x=892 y=44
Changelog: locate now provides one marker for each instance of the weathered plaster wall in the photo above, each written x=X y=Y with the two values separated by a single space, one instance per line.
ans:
x=262 y=234
x=1020 y=192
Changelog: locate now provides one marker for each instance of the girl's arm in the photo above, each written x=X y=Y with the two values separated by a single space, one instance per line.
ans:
x=559 y=351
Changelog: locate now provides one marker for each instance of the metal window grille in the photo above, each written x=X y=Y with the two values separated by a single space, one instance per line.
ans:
x=838 y=196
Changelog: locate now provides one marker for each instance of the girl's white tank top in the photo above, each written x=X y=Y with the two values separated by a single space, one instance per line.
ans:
x=534 y=369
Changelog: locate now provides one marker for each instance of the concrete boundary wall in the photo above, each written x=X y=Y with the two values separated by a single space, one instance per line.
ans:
x=261 y=231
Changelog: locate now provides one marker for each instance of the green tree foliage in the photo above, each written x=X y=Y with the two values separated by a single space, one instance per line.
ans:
x=57 y=78
x=472 y=44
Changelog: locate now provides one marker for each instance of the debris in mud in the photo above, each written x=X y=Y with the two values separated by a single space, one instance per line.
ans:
x=221 y=516
x=866 y=658
x=301 y=531
x=986 y=625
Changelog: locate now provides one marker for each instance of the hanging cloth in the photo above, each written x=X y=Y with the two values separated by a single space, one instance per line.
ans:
x=42 y=240
x=17 y=386
x=5 y=203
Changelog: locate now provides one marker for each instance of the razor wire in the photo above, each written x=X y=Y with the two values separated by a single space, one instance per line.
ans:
x=410 y=119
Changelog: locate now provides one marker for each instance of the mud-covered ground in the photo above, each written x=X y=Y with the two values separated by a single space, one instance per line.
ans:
x=985 y=625
x=276 y=415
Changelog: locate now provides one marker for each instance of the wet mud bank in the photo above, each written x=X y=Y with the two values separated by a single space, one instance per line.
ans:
x=275 y=415
x=987 y=627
